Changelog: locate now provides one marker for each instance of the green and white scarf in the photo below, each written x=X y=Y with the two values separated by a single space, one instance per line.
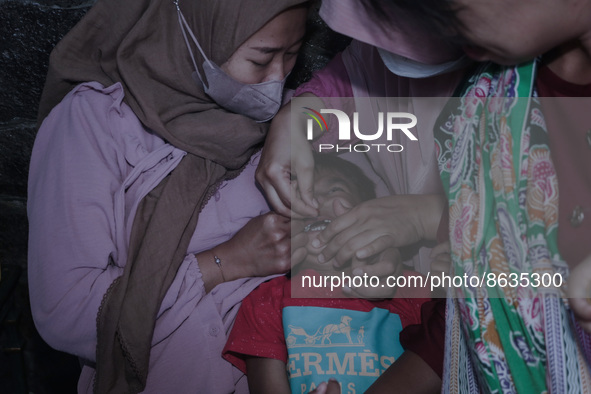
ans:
x=495 y=165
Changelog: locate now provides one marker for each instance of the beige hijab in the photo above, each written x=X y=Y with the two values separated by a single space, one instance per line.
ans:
x=140 y=45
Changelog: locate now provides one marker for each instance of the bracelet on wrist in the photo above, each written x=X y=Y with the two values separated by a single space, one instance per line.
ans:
x=218 y=262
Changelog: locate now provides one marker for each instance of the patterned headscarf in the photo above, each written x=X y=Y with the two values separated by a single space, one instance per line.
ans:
x=495 y=164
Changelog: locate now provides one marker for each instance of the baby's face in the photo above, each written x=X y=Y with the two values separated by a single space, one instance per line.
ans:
x=336 y=196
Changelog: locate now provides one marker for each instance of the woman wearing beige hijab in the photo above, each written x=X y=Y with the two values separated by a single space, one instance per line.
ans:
x=141 y=179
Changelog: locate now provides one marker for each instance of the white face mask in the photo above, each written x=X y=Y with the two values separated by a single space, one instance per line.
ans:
x=409 y=68
x=260 y=101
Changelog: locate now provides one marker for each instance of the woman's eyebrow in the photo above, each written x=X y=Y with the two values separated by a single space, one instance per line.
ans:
x=266 y=50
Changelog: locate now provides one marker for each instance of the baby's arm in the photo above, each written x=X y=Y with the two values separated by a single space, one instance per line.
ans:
x=409 y=374
x=266 y=375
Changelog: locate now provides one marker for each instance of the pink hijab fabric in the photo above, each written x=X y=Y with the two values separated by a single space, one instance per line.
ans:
x=394 y=30
x=415 y=170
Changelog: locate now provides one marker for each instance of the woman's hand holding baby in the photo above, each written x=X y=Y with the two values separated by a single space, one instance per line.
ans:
x=260 y=248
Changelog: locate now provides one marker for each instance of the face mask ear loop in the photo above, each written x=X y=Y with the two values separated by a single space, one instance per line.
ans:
x=185 y=26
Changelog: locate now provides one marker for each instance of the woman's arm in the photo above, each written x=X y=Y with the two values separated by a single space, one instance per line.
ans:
x=267 y=376
x=74 y=253
x=260 y=248
x=287 y=156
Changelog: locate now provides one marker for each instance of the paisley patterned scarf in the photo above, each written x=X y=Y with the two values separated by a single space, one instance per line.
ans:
x=495 y=164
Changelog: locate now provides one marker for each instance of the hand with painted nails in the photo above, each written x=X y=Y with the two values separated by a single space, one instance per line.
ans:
x=375 y=225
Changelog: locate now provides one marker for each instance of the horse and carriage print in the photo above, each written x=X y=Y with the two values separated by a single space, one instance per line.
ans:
x=332 y=334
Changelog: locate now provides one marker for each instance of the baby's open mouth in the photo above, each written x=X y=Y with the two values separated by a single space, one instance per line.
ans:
x=317 y=226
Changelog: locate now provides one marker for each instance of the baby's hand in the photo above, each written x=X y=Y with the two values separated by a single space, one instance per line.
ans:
x=441 y=259
x=579 y=293
x=330 y=387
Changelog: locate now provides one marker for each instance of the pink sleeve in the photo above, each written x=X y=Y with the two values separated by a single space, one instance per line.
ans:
x=78 y=214
x=72 y=248
x=331 y=81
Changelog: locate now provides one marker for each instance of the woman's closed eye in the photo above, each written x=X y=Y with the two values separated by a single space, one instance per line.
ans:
x=261 y=62
x=293 y=51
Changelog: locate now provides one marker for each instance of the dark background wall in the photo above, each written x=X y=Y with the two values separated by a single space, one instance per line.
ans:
x=28 y=32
